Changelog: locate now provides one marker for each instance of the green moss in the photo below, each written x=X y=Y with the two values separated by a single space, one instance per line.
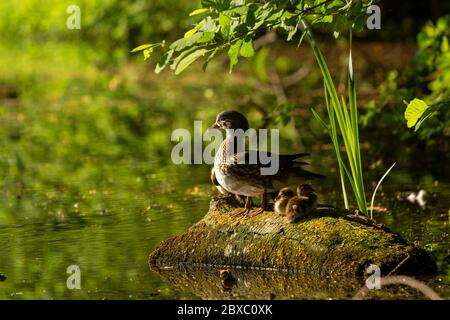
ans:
x=326 y=244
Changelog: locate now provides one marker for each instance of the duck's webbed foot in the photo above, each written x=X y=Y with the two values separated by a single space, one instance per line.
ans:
x=263 y=208
x=247 y=208
x=255 y=212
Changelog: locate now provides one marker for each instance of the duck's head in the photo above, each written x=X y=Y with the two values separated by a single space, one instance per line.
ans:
x=231 y=120
x=284 y=193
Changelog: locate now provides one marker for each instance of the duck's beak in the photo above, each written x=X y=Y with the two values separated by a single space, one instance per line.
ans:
x=215 y=126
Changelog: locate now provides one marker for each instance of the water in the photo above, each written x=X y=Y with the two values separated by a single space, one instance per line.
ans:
x=108 y=228
x=110 y=245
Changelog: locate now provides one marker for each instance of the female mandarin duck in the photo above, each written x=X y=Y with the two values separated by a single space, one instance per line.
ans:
x=245 y=178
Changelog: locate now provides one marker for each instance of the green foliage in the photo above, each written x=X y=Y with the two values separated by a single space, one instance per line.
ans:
x=230 y=26
x=347 y=120
x=414 y=111
x=105 y=22
x=427 y=78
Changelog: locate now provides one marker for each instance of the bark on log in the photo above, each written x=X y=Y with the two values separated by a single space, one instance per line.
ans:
x=328 y=244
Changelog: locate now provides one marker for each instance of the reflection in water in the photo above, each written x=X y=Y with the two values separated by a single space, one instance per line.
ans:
x=109 y=227
x=108 y=235
x=268 y=285
x=248 y=284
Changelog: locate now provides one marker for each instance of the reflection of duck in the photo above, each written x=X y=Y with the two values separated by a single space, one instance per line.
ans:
x=2 y=277
x=236 y=174
x=302 y=204
x=228 y=281
x=282 y=200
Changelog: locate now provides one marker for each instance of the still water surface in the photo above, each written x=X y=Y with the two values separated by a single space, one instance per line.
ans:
x=108 y=231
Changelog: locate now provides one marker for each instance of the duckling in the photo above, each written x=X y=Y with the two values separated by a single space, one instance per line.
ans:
x=302 y=204
x=282 y=200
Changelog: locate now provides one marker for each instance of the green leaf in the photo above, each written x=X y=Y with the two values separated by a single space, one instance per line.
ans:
x=198 y=11
x=236 y=11
x=301 y=38
x=414 y=111
x=182 y=43
x=164 y=61
x=247 y=49
x=233 y=53
x=190 y=32
x=327 y=19
x=225 y=25
x=189 y=59
x=208 y=25
x=360 y=22
x=182 y=54
x=207 y=36
x=147 y=53
x=148 y=46
x=290 y=27
x=142 y=47
x=237 y=2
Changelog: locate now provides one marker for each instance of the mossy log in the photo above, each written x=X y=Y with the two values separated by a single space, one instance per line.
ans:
x=327 y=244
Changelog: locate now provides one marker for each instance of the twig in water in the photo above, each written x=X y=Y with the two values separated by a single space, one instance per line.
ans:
x=405 y=280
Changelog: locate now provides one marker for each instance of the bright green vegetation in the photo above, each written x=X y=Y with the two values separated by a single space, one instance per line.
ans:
x=348 y=126
x=85 y=146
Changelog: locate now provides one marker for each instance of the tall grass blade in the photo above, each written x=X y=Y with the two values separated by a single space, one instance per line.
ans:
x=376 y=188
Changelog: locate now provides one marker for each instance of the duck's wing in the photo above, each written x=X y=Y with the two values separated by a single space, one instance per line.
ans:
x=247 y=166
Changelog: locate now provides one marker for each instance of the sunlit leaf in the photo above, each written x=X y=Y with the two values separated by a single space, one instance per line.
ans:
x=414 y=111
x=247 y=49
x=189 y=59
x=209 y=25
x=182 y=43
x=198 y=11
x=190 y=32
x=233 y=53
x=147 y=53
x=143 y=47
x=207 y=36
x=225 y=25
x=327 y=19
